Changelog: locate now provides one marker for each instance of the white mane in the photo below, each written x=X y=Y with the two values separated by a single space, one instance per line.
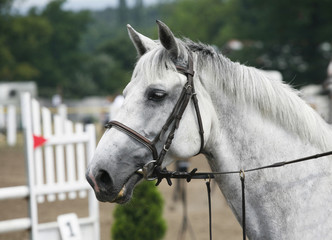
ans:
x=247 y=85
x=278 y=101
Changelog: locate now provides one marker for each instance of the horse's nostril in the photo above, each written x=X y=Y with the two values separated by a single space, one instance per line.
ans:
x=104 y=180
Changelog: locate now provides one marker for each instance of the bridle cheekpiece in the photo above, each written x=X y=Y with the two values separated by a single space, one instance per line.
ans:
x=151 y=169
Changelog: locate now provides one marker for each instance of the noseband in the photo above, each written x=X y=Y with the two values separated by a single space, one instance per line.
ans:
x=188 y=92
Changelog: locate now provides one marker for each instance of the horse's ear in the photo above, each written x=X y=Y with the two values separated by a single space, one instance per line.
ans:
x=142 y=44
x=167 y=39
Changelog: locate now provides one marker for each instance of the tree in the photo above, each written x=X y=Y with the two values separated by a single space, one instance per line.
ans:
x=63 y=48
x=121 y=49
x=283 y=36
x=138 y=12
x=276 y=34
x=5 y=6
x=100 y=74
x=42 y=46
x=122 y=12
x=28 y=37
x=201 y=20
x=6 y=57
x=141 y=219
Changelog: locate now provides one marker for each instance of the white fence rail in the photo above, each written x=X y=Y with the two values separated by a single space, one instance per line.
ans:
x=57 y=153
x=19 y=224
x=19 y=192
x=10 y=117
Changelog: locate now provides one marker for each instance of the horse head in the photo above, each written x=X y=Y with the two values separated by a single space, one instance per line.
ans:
x=138 y=136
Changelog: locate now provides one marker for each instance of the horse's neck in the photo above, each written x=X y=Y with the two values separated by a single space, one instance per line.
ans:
x=246 y=140
x=243 y=138
x=243 y=132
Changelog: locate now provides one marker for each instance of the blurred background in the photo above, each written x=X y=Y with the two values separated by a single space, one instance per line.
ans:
x=75 y=57
x=81 y=48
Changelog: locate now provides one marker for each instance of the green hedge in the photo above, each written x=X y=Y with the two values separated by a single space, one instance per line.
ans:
x=141 y=218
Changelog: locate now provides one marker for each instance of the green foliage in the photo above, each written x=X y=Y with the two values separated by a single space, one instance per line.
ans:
x=27 y=36
x=85 y=53
x=121 y=49
x=141 y=218
x=290 y=36
x=63 y=55
x=200 y=20
x=100 y=74
x=277 y=35
x=43 y=47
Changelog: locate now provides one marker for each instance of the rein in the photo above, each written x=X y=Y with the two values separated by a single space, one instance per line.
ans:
x=163 y=173
x=153 y=170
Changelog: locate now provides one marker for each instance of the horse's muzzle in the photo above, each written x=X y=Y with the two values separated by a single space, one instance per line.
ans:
x=107 y=191
x=102 y=184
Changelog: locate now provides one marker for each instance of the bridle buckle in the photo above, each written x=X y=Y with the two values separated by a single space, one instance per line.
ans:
x=147 y=170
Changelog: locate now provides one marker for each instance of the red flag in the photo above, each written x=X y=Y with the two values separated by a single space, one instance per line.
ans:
x=38 y=141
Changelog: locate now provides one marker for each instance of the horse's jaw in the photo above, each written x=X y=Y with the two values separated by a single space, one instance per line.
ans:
x=106 y=192
x=126 y=191
x=113 y=176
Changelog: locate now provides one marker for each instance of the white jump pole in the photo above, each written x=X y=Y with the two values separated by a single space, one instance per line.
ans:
x=29 y=156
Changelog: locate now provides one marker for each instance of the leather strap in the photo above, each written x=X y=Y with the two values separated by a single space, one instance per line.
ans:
x=135 y=135
x=173 y=121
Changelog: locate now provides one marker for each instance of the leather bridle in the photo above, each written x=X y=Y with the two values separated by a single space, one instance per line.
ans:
x=172 y=123
x=152 y=169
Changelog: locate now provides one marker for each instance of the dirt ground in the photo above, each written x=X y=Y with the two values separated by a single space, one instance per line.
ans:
x=12 y=173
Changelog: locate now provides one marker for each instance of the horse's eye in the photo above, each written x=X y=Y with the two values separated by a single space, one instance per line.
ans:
x=156 y=95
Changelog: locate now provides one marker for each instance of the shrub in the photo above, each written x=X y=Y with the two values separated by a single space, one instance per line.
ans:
x=141 y=218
